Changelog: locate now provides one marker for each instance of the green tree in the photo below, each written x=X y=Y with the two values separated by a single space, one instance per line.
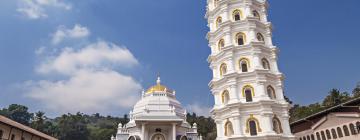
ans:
x=73 y=127
x=356 y=91
x=18 y=113
x=335 y=97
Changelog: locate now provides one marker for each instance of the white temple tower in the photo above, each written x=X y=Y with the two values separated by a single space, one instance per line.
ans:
x=247 y=85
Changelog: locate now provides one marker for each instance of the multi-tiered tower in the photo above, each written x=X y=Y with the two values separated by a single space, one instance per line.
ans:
x=247 y=85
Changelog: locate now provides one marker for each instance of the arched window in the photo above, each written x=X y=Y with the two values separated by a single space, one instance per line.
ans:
x=221 y=44
x=271 y=92
x=328 y=135
x=358 y=126
x=244 y=64
x=240 y=39
x=346 y=130
x=225 y=97
x=333 y=132
x=223 y=69
x=260 y=37
x=323 y=135
x=252 y=126
x=248 y=93
x=304 y=138
x=340 y=134
x=352 y=129
x=277 y=126
x=307 y=137
x=312 y=137
x=265 y=63
x=256 y=14
x=218 y=22
x=237 y=15
x=229 y=131
x=216 y=3
x=318 y=136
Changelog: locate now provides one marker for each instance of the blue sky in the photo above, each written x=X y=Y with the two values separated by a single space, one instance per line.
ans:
x=318 y=41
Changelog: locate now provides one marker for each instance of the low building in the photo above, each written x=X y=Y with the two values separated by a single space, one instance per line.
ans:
x=11 y=130
x=341 y=122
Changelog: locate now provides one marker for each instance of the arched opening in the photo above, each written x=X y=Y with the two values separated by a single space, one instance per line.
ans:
x=158 y=137
x=352 y=129
x=256 y=14
x=318 y=136
x=333 y=132
x=223 y=69
x=323 y=135
x=218 y=22
x=248 y=93
x=252 y=126
x=277 y=126
x=265 y=63
x=12 y=137
x=240 y=39
x=271 y=92
x=339 y=132
x=346 y=130
x=358 y=127
x=244 y=64
x=307 y=137
x=312 y=137
x=134 y=138
x=225 y=97
x=260 y=37
x=229 y=131
x=300 y=138
x=328 y=135
x=237 y=15
x=304 y=138
x=221 y=44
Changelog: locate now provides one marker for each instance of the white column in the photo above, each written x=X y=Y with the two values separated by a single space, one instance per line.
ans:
x=174 y=131
x=143 y=131
x=219 y=129
x=228 y=39
x=268 y=125
x=285 y=125
x=237 y=129
x=233 y=94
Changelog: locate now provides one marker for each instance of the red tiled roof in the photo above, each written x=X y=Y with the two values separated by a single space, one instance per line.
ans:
x=25 y=128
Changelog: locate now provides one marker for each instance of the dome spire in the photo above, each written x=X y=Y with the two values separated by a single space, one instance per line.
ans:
x=158 y=81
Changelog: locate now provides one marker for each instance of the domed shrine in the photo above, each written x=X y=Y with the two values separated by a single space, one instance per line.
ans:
x=157 y=116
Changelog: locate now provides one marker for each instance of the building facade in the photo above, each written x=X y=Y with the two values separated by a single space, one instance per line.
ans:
x=247 y=85
x=11 y=130
x=157 y=116
x=341 y=122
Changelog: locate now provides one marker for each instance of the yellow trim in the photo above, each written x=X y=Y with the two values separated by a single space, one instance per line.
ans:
x=221 y=70
x=240 y=12
x=252 y=118
x=223 y=94
x=223 y=41
x=247 y=62
x=218 y=21
x=237 y=36
x=248 y=86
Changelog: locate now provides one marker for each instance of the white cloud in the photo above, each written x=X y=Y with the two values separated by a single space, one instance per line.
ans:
x=86 y=91
x=86 y=79
x=35 y=9
x=199 y=109
x=99 y=55
x=62 y=33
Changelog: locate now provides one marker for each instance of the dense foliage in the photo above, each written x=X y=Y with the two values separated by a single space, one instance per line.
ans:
x=96 y=127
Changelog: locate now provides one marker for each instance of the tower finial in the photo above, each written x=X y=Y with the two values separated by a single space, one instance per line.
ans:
x=158 y=79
